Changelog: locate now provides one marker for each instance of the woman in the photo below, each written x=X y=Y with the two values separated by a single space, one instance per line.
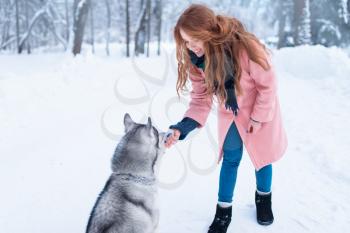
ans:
x=221 y=58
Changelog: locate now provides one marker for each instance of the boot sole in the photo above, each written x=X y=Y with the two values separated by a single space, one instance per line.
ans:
x=265 y=223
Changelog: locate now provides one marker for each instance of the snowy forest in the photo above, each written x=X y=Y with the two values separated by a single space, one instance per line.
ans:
x=26 y=25
x=71 y=69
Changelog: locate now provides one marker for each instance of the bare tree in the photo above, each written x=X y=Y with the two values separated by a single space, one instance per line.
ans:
x=108 y=28
x=302 y=30
x=17 y=26
x=284 y=16
x=281 y=27
x=27 y=25
x=92 y=24
x=67 y=19
x=52 y=17
x=140 y=29
x=158 y=14
x=81 y=10
x=127 y=28
x=148 y=25
x=48 y=15
x=31 y=24
x=6 y=38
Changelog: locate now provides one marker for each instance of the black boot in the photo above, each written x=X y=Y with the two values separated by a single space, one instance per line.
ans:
x=222 y=220
x=264 y=213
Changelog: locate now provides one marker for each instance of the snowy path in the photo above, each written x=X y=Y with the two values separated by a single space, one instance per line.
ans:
x=60 y=118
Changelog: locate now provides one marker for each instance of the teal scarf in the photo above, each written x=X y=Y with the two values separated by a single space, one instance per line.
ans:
x=231 y=101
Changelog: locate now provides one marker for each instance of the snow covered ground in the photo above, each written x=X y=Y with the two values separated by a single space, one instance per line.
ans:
x=61 y=117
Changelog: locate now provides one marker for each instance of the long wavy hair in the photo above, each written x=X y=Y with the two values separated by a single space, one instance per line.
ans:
x=224 y=39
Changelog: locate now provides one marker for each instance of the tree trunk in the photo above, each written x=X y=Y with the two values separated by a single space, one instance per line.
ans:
x=17 y=27
x=6 y=25
x=27 y=26
x=92 y=31
x=159 y=23
x=81 y=10
x=283 y=13
x=281 y=30
x=127 y=28
x=67 y=19
x=31 y=24
x=298 y=9
x=148 y=25
x=300 y=6
x=140 y=30
x=108 y=8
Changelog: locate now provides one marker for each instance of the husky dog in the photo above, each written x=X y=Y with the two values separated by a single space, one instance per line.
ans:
x=127 y=203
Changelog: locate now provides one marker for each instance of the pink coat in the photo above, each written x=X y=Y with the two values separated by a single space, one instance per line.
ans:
x=258 y=101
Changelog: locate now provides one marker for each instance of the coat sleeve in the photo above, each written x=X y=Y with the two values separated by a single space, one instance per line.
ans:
x=185 y=126
x=266 y=86
x=200 y=104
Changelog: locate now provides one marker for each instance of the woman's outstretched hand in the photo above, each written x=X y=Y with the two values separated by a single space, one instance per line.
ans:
x=172 y=136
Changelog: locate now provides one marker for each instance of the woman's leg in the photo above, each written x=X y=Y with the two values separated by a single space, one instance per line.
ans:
x=232 y=148
x=263 y=196
x=232 y=155
x=264 y=179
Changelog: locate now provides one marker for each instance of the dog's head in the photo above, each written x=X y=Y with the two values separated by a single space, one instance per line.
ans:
x=145 y=134
x=140 y=147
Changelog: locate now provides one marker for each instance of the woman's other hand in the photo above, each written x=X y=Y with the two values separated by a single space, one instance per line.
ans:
x=253 y=126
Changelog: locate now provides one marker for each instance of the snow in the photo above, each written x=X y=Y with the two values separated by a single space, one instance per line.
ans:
x=81 y=3
x=61 y=117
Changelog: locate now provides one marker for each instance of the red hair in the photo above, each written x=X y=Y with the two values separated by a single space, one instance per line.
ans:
x=221 y=35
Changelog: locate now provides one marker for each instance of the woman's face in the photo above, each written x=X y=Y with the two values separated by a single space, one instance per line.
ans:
x=195 y=45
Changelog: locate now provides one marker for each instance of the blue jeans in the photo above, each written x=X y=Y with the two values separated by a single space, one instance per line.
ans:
x=233 y=150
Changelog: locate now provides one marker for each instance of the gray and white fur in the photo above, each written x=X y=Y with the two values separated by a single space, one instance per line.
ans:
x=127 y=203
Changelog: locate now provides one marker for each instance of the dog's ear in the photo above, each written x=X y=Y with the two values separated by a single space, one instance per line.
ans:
x=128 y=122
x=149 y=123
